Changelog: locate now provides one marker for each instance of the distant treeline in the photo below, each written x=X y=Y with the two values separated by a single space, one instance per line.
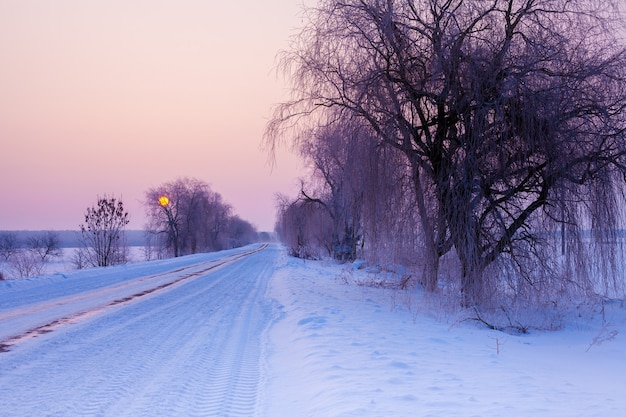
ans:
x=71 y=238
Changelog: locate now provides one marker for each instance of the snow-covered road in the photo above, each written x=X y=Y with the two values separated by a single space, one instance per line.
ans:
x=254 y=332
x=183 y=340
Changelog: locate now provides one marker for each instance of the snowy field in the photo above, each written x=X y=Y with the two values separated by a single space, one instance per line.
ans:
x=225 y=334
x=65 y=263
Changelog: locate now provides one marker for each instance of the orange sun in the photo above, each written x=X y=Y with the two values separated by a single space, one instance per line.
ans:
x=164 y=201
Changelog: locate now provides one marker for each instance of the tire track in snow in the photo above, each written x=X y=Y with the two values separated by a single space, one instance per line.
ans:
x=235 y=377
x=172 y=391
x=221 y=361
x=101 y=292
x=179 y=276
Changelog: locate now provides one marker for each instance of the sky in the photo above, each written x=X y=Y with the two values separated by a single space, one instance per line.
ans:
x=113 y=97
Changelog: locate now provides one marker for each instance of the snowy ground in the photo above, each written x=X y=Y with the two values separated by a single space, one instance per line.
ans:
x=269 y=335
x=64 y=263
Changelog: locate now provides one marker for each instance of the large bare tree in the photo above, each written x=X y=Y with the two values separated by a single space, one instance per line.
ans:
x=510 y=113
x=170 y=211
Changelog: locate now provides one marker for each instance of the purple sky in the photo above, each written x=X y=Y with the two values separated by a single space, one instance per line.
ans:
x=116 y=96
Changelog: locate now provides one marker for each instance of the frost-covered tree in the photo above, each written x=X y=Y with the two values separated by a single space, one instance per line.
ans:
x=240 y=232
x=338 y=158
x=509 y=115
x=305 y=228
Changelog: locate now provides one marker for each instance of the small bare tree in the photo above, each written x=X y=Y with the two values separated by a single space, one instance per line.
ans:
x=80 y=257
x=45 y=245
x=102 y=233
x=26 y=264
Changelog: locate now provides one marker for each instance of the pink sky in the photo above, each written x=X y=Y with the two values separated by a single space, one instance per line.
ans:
x=117 y=96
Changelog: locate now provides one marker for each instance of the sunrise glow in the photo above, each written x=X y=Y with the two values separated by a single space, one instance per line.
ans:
x=115 y=97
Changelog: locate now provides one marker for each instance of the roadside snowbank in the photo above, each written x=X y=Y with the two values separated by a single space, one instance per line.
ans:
x=341 y=350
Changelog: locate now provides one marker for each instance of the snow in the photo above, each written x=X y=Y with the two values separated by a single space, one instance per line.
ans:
x=270 y=335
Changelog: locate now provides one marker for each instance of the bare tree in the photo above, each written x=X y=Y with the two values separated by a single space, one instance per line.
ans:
x=9 y=245
x=215 y=228
x=364 y=189
x=305 y=228
x=102 y=233
x=154 y=246
x=240 y=232
x=164 y=209
x=80 y=258
x=393 y=230
x=26 y=264
x=45 y=245
x=503 y=109
x=338 y=155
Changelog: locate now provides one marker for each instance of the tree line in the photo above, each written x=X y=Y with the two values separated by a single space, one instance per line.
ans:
x=184 y=216
x=483 y=137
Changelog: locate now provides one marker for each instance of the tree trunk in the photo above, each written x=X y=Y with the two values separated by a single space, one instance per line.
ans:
x=431 y=261
x=471 y=286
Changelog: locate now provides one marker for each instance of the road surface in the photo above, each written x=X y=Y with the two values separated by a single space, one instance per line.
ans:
x=183 y=340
